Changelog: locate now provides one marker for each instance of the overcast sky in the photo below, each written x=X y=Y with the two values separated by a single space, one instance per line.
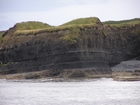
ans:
x=57 y=12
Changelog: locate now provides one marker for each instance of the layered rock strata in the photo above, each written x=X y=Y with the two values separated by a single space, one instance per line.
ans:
x=94 y=47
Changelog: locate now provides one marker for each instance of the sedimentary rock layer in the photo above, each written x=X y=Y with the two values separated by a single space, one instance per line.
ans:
x=94 y=47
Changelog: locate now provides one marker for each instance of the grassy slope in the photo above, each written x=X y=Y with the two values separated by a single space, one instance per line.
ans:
x=123 y=22
x=36 y=27
x=31 y=25
x=74 y=25
x=82 y=21
x=23 y=28
x=1 y=33
x=26 y=28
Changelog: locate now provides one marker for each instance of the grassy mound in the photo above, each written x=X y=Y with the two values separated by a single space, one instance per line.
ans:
x=83 y=21
x=123 y=22
x=36 y=27
x=31 y=25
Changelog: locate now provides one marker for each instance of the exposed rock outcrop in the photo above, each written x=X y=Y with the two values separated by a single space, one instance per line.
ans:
x=125 y=66
x=95 y=46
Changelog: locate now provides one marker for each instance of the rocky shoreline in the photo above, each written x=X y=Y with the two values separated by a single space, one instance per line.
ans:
x=117 y=76
x=126 y=76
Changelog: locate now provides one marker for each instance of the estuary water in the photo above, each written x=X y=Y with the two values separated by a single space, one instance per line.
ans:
x=87 y=92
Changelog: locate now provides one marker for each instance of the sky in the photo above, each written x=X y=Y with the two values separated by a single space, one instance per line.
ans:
x=57 y=12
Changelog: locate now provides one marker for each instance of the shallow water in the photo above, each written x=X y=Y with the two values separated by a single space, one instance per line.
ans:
x=87 y=92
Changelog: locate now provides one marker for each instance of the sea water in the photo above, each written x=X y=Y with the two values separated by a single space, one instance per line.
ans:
x=84 y=92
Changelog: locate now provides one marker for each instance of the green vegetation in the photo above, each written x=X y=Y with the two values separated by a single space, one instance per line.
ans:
x=123 y=22
x=35 y=27
x=1 y=38
x=72 y=36
x=75 y=25
x=1 y=33
x=27 y=28
x=35 y=31
x=52 y=29
x=91 y=20
x=72 y=26
x=31 y=25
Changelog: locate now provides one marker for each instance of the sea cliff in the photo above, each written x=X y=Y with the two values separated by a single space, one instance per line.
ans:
x=80 y=48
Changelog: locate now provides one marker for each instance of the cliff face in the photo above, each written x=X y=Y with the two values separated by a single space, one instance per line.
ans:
x=93 y=47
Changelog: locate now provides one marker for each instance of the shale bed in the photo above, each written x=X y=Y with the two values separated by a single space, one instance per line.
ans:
x=84 y=47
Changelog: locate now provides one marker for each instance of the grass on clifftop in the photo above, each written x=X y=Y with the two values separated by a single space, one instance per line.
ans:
x=73 y=26
x=35 y=27
x=1 y=38
x=83 y=21
x=26 y=28
x=31 y=25
x=1 y=33
x=123 y=22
